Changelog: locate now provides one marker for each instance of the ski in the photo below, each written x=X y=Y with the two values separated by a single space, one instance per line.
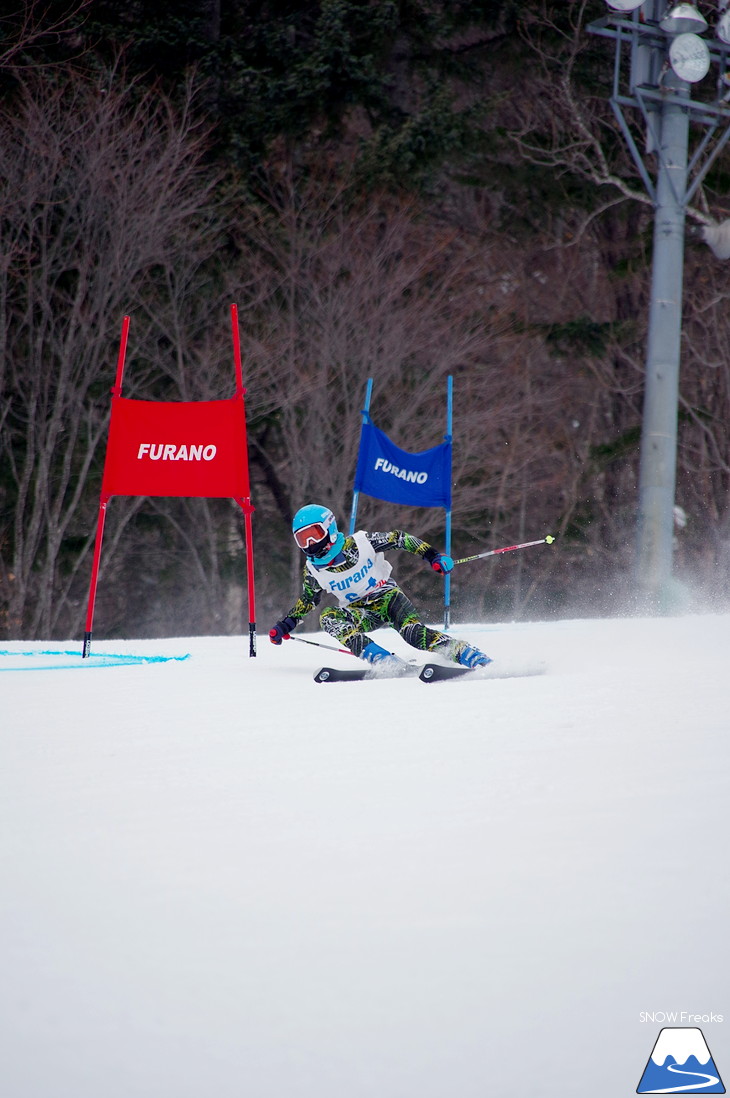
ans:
x=427 y=672
x=339 y=674
x=358 y=674
x=436 y=672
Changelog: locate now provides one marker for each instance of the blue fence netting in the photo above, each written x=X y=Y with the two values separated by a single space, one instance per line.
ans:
x=36 y=659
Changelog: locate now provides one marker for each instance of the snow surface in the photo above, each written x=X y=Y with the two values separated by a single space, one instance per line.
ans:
x=218 y=878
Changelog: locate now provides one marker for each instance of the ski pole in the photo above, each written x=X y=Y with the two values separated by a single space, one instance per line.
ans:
x=318 y=644
x=507 y=549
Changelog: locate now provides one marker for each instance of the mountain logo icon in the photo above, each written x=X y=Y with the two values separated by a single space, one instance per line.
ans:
x=680 y=1063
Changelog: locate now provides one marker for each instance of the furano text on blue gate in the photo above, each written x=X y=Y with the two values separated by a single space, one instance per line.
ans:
x=402 y=474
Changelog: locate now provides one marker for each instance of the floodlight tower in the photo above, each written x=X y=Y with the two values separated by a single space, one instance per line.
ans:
x=660 y=61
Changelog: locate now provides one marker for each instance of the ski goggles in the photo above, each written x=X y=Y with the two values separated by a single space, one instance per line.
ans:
x=310 y=535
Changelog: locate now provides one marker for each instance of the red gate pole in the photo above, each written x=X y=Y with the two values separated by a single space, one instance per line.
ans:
x=237 y=350
x=94 y=576
x=117 y=390
x=103 y=501
x=245 y=504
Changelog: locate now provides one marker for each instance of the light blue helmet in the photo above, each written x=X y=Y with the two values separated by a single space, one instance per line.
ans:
x=315 y=532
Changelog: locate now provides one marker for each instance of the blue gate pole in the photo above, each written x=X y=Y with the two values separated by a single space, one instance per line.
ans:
x=365 y=417
x=447 y=577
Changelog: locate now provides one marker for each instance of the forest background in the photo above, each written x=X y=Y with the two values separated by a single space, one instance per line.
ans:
x=397 y=190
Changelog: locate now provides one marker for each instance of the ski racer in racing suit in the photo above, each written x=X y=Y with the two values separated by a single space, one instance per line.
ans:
x=355 y=571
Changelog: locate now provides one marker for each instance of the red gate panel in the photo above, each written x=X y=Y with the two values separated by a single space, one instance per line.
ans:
x=177 y=449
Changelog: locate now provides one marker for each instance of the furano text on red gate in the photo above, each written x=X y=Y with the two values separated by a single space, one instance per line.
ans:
x=171 y=451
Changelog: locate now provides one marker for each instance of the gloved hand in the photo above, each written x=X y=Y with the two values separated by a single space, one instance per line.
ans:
x=281 y=630
x=440 y=562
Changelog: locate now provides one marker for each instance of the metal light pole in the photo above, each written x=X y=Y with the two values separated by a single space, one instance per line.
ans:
x=658 y=460
x=658 y=61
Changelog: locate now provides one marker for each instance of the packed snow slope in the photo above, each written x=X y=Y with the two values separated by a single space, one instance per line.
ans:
x=219 y=879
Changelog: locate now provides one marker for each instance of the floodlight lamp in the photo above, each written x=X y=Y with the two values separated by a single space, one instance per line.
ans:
x=689 y=57
x=722 y=30
x=683 y=19
x=624 y=5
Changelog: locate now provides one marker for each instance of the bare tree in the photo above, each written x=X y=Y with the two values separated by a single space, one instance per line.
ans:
x=358 y=289
x=103 y=189
x=35 y=22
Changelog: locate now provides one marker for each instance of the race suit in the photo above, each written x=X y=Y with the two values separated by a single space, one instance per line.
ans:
x=367 y=595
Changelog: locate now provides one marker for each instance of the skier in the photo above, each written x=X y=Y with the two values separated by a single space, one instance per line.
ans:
x=355 y=571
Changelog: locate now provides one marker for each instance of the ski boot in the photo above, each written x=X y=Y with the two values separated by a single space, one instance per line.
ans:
x=384 y=662
x=470 y=657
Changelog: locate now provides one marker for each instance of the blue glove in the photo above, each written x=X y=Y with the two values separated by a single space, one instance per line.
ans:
x=281 y=630
x=440 y=562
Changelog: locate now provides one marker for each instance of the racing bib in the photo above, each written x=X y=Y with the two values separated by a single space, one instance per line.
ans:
x=371 y=572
